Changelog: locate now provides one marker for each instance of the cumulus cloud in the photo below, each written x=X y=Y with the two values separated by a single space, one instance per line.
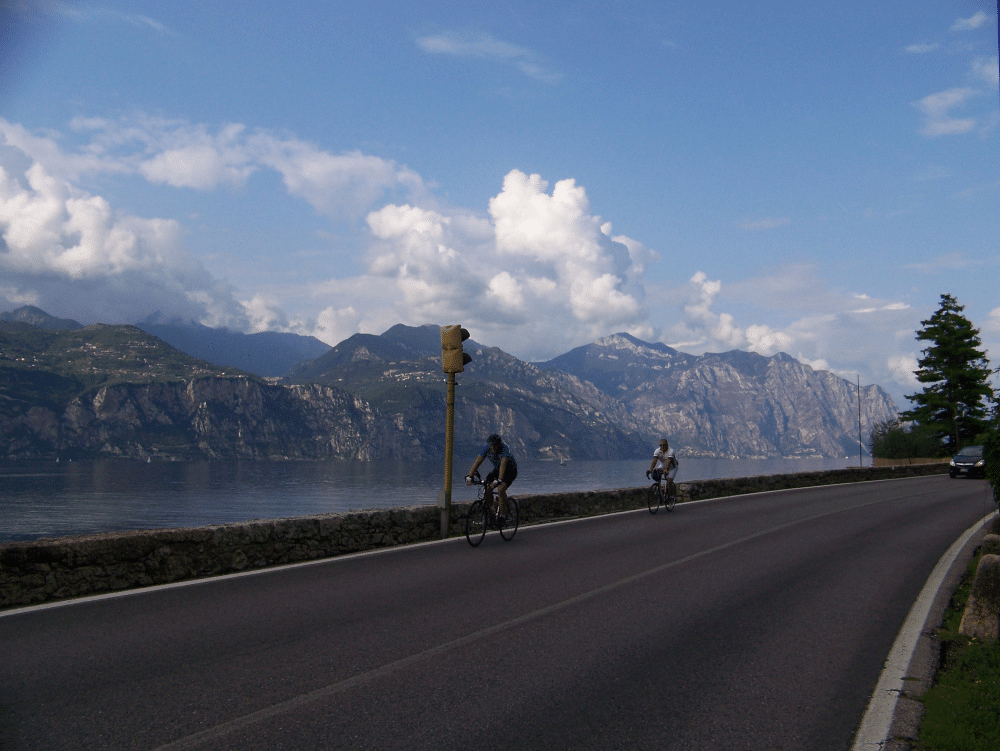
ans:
x=338 y=185
x=122 y=268
x=537 y=260
x=848 y=334
x=702 y=329
x=537 y=273
x=196 y=156
x=540 y=261
x=201 y=160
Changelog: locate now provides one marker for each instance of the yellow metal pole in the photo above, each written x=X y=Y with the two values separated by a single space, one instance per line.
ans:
x=449 y=441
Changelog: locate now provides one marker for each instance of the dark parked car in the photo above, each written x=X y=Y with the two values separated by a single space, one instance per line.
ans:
x=968 y=462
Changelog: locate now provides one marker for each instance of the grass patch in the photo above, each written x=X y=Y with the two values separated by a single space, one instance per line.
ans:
x=963 y=705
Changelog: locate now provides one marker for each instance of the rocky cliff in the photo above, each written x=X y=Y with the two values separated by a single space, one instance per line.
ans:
x=209 y=417
x=117 y=390
x=733 y=403
x=541 y=414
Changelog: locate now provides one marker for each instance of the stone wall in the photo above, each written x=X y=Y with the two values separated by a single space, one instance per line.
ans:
x=53 y=569
x=878 y=462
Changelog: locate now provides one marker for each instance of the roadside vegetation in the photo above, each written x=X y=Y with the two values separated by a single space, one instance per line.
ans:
x=963 y=705
x=957 y=406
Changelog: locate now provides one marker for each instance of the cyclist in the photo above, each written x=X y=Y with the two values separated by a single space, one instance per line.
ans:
x=503 y=474
x=664 y=464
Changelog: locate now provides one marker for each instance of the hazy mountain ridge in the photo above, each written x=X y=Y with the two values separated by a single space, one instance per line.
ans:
x=268 y=353
x=541 y=413
x=732 y=403
x=384 y=395
x=117 y=391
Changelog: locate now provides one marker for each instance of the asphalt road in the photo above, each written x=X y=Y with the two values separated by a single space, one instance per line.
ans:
x=755 y=622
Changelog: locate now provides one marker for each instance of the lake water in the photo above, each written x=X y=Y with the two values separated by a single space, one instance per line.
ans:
x=54 y=499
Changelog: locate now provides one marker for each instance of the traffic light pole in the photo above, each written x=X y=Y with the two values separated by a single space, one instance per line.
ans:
x=453 y=360
x=449 y=441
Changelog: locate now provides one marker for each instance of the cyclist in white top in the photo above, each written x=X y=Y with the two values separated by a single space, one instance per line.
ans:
x=664 y=462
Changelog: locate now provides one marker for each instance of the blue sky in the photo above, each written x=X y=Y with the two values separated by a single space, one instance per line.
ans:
x=777 y=176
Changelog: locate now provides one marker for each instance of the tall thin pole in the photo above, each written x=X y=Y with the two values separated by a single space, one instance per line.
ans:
x=861 y=461
x=449 y=441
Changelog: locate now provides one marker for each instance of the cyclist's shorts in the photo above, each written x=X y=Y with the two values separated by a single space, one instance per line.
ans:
x=509 y=476
x=667 y=473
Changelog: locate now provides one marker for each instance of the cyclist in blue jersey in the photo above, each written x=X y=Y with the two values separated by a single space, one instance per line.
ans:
x=504 y=470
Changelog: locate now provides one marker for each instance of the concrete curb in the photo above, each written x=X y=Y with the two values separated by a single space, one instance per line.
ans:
x=894 y=714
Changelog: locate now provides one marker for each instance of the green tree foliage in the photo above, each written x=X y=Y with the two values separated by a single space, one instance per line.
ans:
x=892 y=439
x=991 y=461
x=954 y=403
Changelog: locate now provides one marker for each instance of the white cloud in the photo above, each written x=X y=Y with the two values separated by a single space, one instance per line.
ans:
x=922 y=49
x=992 y=325
x=338 y=185
x=558 y=239
x=81 y=13
x=485 y=47
x=704 y=330
x=971 y=23
x=904 y=369
x=538 y=263
x=70 y=252
x=182 y=155
x=195 y=158
x=537 y=274
x=936 y=108
x=849 y=334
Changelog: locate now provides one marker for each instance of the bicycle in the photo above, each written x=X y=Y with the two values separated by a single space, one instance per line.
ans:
x=481 y=517
x=667 y=494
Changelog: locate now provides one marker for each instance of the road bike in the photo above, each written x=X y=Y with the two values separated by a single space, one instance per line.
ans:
x=665 y=494
x=482 y=515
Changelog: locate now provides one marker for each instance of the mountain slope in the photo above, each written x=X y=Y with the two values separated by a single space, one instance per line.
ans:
x=118 y=391
x=37 y=317
x=540 y=413
x=268 y=353
x=729 y=404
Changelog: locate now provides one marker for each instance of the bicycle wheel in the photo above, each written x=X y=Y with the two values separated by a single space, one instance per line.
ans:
x=654 y=497
x=509 y=527
x=475 y=523
x=670 y=498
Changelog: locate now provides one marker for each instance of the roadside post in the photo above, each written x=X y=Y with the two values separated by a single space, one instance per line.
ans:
x=453 y=360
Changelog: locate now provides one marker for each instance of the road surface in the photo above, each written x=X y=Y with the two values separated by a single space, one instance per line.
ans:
x=753 y=622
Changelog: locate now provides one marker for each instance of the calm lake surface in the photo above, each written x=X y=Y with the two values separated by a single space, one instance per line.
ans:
x=53 y=499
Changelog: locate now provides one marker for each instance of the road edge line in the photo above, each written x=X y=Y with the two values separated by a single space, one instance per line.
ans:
x=876 y=723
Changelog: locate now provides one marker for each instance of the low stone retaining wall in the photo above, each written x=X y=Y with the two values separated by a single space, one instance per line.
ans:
x=52 y=569
x=917 y=460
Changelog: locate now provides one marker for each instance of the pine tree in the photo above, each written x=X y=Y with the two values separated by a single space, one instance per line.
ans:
x=954 y=403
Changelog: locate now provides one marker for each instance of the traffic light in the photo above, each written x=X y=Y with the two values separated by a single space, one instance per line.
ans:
x=453 y=359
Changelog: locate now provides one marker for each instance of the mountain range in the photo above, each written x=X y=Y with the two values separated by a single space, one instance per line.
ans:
x=381 y=396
